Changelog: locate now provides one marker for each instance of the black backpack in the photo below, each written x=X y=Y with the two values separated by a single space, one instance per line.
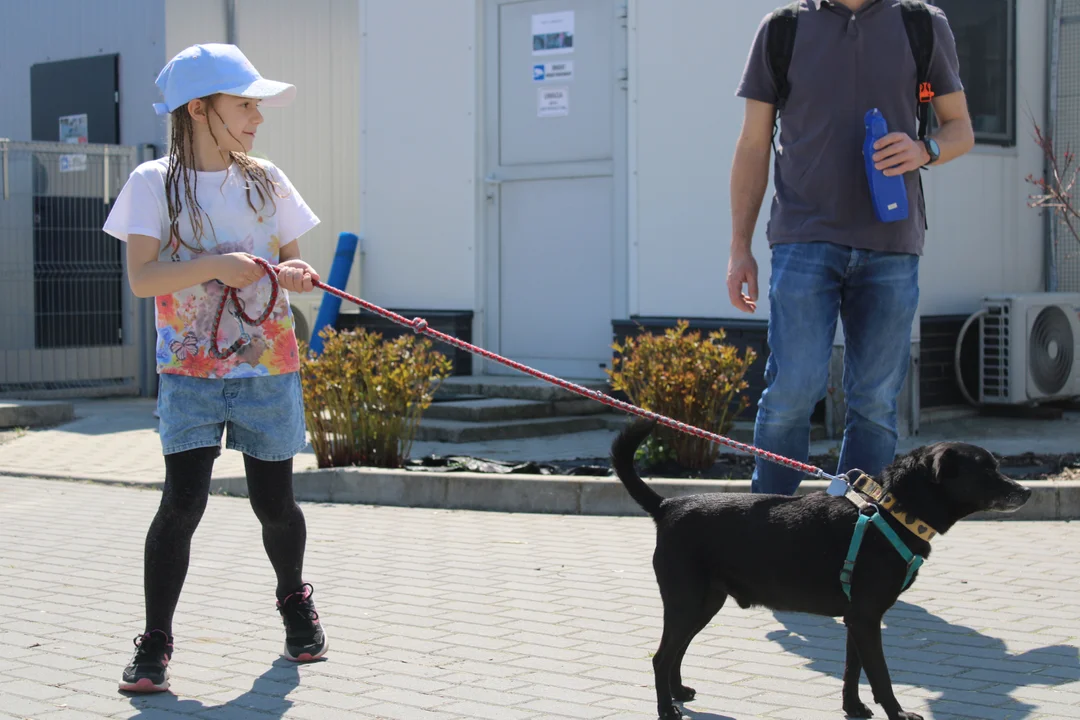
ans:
x=780 y=43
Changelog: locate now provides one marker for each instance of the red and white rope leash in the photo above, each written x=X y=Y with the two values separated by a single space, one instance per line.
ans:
x=420 y=326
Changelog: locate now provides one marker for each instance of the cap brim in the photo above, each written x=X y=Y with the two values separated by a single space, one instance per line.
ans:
x=271 y=92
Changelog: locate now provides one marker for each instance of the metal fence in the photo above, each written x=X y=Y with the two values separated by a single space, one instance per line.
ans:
x=1065 y=109
x=70 y=322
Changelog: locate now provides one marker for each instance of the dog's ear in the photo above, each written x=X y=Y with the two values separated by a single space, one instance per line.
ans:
x=944 y=463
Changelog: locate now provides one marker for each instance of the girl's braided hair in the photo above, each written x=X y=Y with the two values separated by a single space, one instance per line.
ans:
x=181 y=185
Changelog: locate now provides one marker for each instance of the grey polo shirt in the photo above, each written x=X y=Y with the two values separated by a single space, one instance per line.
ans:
x=842 y=65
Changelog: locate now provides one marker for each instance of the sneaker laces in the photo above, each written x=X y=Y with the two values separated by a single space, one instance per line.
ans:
x=143 y=650
x=303 y=608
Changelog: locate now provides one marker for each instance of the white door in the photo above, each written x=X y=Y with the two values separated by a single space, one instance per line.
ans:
x=555 y=182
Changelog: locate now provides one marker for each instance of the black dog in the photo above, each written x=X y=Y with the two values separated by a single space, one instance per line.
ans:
x=786 y=553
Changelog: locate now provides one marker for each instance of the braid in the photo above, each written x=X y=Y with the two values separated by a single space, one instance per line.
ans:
x=182 y=158
x=258 y=177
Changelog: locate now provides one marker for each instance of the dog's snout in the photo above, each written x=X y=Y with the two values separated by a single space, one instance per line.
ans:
x=1020 y=490
x=1020 y=496
x=1015 y=495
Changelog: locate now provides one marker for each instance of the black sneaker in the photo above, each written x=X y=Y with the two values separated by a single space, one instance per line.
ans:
x=304 y=637
x=148 y=670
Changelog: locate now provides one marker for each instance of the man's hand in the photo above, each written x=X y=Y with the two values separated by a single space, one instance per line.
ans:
x=897 y=154
x=742 y=270
x=297 y=276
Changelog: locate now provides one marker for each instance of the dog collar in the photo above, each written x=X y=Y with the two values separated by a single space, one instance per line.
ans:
x=869 y=487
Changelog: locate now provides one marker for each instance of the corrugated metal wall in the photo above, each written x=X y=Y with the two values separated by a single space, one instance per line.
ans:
x=48 y=30
x=189 y=22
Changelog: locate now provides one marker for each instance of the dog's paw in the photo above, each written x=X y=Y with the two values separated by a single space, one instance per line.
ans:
x=673 y=713
x=908 y=716
x=857 y=709
x=682 y=693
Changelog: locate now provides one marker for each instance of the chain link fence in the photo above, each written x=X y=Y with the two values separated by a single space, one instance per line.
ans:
x=1066 y=135
x=70 y=322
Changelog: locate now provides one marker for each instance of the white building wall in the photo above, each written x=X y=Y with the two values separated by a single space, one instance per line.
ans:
x=419 y=143
x=983 y=238
x=686 y=61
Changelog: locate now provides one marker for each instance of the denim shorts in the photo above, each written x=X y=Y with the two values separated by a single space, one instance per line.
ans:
x=264 y=415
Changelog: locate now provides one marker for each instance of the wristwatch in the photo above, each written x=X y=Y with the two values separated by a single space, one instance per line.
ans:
x=933 y=149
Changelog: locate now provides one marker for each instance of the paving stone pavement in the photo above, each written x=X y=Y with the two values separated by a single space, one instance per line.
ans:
x=437 y=614
x=116 y=440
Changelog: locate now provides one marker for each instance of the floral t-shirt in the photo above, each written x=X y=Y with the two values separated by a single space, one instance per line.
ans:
x=185 y=319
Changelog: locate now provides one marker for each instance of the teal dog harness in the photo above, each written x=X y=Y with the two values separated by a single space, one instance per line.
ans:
x=870 y=513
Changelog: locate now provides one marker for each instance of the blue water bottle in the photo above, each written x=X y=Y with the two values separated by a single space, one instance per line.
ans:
x=889 y=194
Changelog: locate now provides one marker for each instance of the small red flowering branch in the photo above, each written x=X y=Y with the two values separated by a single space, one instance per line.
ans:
x=1056 y=190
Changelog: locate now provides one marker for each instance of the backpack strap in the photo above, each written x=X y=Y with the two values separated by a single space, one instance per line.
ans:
x=779 y=46
x=920 y=31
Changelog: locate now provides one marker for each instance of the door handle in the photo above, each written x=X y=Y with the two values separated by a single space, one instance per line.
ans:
x=492 y=182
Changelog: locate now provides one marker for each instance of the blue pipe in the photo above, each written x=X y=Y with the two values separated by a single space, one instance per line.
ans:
x=339 y=276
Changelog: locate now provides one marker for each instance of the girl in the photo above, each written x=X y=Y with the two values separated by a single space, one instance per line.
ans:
x=193 y=222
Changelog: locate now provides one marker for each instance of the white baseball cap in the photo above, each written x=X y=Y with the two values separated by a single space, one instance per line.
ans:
x=202 y=70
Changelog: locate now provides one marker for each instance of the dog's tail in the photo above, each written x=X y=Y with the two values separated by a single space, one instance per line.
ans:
x=622 y=459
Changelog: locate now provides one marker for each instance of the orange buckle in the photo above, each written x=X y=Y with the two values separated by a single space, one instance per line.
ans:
x=925 y=92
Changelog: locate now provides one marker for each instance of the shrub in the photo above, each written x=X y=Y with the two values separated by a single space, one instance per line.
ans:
x=363 y=396
x=693 y=380
x=1057 y=187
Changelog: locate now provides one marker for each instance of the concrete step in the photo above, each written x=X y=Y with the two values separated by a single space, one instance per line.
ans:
x=457 y=431
x=441 y=397
x=500 y=409
x=34 y=413
x=494 y=407
x=742 y=431
x=516 y=387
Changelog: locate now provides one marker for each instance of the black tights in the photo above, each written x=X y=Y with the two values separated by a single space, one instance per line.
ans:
x=187 y=486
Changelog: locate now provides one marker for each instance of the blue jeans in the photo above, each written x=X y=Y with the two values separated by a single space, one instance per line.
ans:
x=263 y=416
x=875 y=294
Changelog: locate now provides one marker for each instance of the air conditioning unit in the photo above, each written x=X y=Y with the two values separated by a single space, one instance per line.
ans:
x=305 y=308
x=1029 y=348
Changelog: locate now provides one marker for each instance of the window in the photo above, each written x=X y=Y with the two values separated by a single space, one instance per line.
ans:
x=986 y=46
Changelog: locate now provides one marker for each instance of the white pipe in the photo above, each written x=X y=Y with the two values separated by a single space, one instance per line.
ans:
x=956 y=357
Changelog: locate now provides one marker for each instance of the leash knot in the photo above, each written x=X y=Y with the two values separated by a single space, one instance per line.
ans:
x=419 y=325
x=230 y=294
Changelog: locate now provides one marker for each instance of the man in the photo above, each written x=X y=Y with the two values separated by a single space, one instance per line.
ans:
x=831 y=257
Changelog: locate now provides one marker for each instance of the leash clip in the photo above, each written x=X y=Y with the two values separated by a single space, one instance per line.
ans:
x=838 y=485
